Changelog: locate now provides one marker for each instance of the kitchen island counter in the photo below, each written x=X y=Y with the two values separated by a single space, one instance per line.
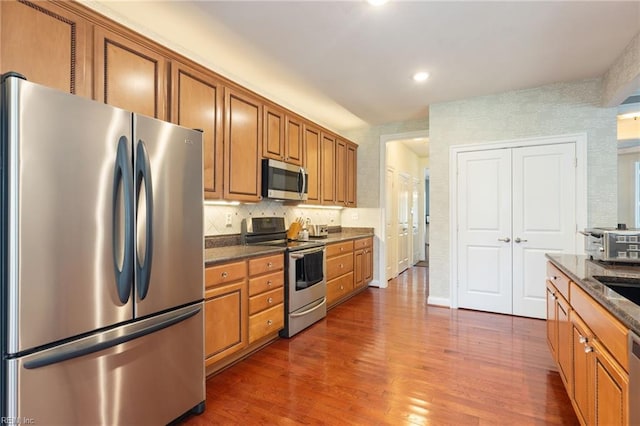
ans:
x=581 y=270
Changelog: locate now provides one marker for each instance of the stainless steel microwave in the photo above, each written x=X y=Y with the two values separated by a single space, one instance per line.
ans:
x=283 y=181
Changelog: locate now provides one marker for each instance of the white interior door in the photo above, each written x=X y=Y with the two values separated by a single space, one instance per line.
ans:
x=403 y=223
x=484 y=230
x=389 y=226
x=415 y=218
x=514 y=205
x=544 y=219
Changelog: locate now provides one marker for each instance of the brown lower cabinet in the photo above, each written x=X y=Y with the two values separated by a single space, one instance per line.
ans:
x=349 y=268
x=589 y=347
x=244 y=308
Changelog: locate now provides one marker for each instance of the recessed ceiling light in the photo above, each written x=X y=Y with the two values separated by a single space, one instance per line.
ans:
x=377 y=2
x=420 y=76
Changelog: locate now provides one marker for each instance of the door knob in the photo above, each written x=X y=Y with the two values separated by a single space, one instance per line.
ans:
x=518 y=240
x=505 y=239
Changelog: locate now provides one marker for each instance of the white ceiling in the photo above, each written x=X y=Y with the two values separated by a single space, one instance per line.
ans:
x=346 y=64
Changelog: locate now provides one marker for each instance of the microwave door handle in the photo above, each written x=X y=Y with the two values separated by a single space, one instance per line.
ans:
x=302 y=173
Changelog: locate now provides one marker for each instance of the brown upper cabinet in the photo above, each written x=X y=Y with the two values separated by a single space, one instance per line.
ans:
x=341 y=172
x=282 y=137
x=197 y=101
x=243 y=146
x=352 y=173
x=47 y=46
x=293 y=140
x=311 y=137
x=273 y=133
x=129 y=75
x=328 y=169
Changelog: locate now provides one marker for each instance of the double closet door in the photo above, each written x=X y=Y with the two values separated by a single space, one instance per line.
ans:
x=513 y=206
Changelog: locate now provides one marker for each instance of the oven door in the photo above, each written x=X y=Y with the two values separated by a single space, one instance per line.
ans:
x=283 y=181
x=307 y=277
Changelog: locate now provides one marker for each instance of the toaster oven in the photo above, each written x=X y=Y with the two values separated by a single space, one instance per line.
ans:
x=613 y=245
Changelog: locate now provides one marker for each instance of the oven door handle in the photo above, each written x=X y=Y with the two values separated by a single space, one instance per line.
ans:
x=302 y=253
x=318 y=306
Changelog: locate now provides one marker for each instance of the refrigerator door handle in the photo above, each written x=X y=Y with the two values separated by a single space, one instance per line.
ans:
x=123 y=176
x=102 y=342
x=143 y=174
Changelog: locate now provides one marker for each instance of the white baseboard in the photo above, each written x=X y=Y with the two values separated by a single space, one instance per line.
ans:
x=439 y=301
x=374 y=283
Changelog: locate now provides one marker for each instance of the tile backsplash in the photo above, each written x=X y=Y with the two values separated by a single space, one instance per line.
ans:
x=215 y=217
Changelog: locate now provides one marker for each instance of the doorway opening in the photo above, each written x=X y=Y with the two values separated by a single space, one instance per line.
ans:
x=404 y=196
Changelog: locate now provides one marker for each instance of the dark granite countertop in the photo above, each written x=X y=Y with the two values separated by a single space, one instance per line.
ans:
x=581 y=271
x=337 y=237
x=215 y=255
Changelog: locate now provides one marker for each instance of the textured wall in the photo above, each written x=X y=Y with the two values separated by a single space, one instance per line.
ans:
x=623 y=77
x=368 y=140
x=557 y=109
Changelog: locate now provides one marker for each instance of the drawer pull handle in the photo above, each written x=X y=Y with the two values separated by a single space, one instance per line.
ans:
x=270 y=300
x=341 y=287
x=269 y=283
x=582 y=339
x=224 y=274
x=341 y=248
x=552 y=278
x=588 y=349
x=269 y=265
x=269 y=322
x=341 y=266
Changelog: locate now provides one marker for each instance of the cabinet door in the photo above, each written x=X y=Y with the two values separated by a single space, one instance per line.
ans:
x=328 y=169
x=225 y=321
x=582 y=369
x=293 y=140
x=352 y=166
x=341 y=172
x=273 y=133
x=242 y=147
x=47 y=44
x=358 y=268
x=552 y=321
x=611 y=385
x=312 y=162
x=564 y=348
x=197 y=102
x=368 y=264
x=129 y=75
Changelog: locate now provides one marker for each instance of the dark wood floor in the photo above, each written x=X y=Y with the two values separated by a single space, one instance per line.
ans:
x=385 y=357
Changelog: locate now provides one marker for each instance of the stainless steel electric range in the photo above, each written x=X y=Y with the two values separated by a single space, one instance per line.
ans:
x=305 y=272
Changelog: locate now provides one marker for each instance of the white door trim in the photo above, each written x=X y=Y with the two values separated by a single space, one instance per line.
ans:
x=580 y=139
x=381 y=201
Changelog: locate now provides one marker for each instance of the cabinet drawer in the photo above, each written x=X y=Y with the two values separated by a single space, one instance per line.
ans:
x=339 y=265
x=339 y=248
x=604 y=326
x=266 y=322
x=266 y=264
x=338 y=288
x=265 y=300
x=362 y=243
x=559 y=279
x=226 y=273
x=264 y=283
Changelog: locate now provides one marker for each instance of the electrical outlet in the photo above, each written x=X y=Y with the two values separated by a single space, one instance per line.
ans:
x=227 y=221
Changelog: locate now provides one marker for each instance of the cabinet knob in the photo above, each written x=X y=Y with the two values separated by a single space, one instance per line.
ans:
x=269 y=322
x=269 y=265
x=224 y=274
x=588 y=349
x=269 y=283
x=341 y=266
x=582 y=339
x=341 y=287
x=270 y=300
x=341 y=248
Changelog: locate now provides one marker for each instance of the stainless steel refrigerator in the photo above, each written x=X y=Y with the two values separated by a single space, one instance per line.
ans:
x=101 y=262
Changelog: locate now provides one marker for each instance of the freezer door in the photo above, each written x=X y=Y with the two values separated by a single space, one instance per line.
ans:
x=62 y=200
x=169 y=210
x=150 y=380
